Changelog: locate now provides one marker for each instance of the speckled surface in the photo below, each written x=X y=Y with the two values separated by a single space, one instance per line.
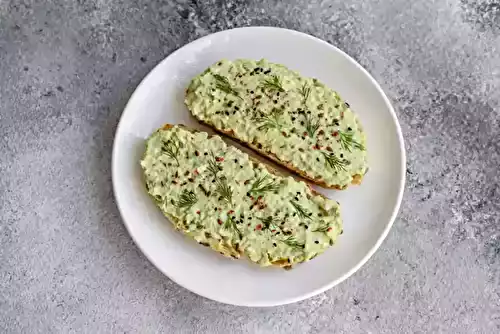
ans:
x=66 y=262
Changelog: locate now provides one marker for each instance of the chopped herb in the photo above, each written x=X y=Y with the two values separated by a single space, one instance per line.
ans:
x=293 y=243
x=305 y=91
x=230 y=224
x=269 y=223
x=213 y=167
x=171 y=148
x=323 y=228
x=223 y=84
x=334 y=163
x=303 y=213
x=224 y=190
x=187 y=199
x=311 y=126
x=273 y=84
x=270 y=121
x=347 y=142
x=261 y=186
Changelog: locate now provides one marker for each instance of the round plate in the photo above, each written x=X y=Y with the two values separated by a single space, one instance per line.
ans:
x=368 y=210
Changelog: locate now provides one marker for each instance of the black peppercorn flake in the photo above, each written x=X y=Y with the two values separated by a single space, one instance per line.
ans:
x=235 y=161
x=349 y=129
x=249 y=218
x=317 y=159
x=259 y=146
x=274 y=244
x=316 y=242
x=227 y=113
x=248 y=194
x=306 y=227
x=341 y=155
x=294 y=214
x=236 y=107
x=275 y=101
x=205 y=153
x=296 y=198
x=251 y=207
x=302 y=123
x=196 y=153
x=293 y=119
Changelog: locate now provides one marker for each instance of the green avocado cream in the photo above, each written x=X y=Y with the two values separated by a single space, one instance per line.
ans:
x=298 y=120
x=215 y=194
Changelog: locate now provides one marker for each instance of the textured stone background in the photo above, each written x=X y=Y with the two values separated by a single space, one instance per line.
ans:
x=68 y=67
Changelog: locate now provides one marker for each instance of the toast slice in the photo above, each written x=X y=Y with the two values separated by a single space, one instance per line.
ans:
x=224 y=199
x=298 y=122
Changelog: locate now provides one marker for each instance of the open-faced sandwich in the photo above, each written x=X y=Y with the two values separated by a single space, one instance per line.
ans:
x=225 y=200
x=296 y=121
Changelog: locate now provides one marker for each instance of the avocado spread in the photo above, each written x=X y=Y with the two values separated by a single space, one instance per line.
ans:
x=217 y=195
x=298 y=121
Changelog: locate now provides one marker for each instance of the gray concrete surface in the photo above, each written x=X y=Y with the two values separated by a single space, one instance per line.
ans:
x=68 y=67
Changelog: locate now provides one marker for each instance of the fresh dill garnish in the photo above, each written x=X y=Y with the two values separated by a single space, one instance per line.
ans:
x=269 y=223
x=171 y=148
x=293 y=243
x=305 y=91
x=261 y=186
x=223 y=189
x=311 y=125
x=335 y=163
x=270 y=121
x=301 y=212
x=221 y=83
x=187 y=199
x=323 y=228
x=213 y=167
x=347 y=142
x=230 y=224
x=273 y=84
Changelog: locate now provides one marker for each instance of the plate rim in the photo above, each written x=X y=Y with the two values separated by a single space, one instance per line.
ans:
x=325 y=287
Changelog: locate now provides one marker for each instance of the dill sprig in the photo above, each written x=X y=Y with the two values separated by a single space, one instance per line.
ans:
x=334 y=163
x=300 y=210
x=223 y=84
x=323 y=228
x=223 y=189
x=311 y=125
x=230 y=224
x=269 y=223
x=171 y=148
x=187 y=199
x=261 y=186
x=270 y=121
x=305 y=91
x=347 y=142
x=273 y=84
x=213 y=167
x=293 y=243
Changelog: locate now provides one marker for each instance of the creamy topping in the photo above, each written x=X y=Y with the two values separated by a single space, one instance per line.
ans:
x=299 y=120
x=218 y=196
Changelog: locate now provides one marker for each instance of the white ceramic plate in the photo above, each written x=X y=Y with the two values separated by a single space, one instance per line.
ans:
x=368 y=210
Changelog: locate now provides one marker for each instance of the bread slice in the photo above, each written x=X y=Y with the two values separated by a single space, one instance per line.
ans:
x=296 y=121
x=224 y=199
